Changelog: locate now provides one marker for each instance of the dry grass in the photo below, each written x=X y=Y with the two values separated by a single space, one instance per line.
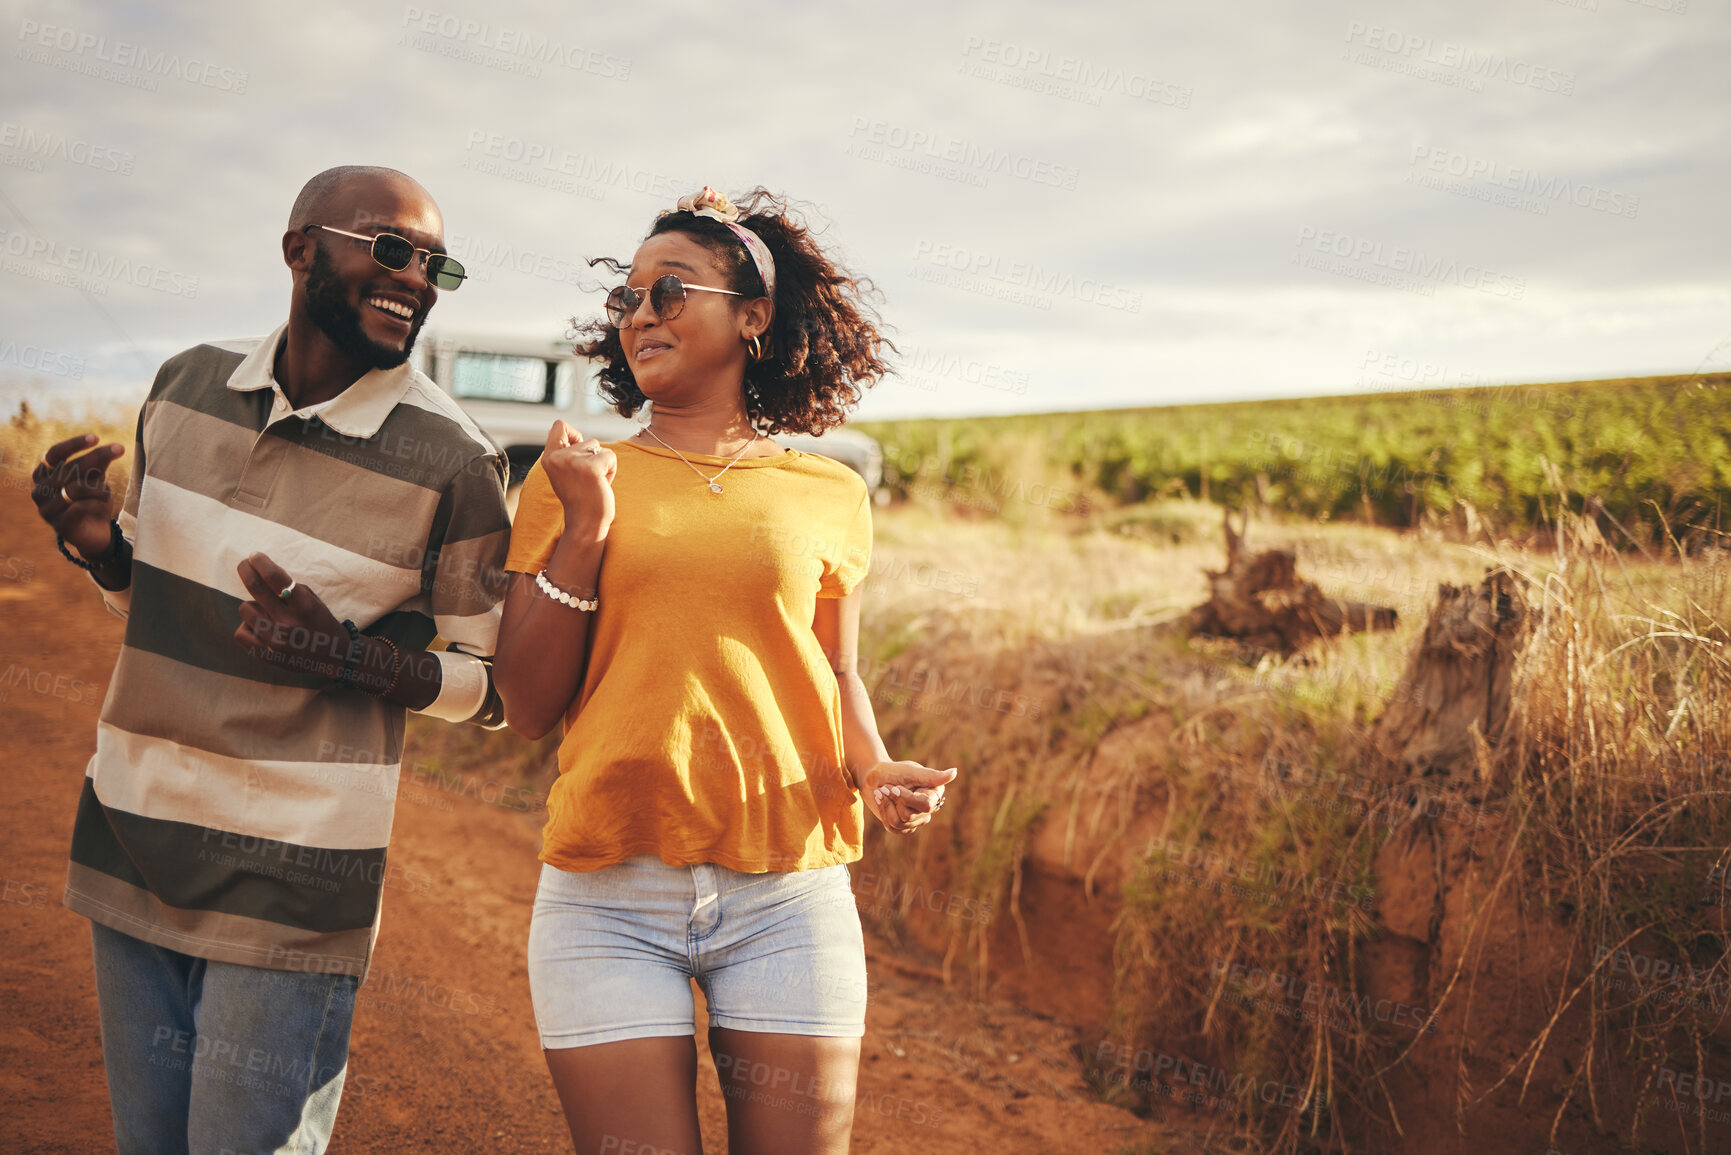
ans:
x=1077 y=618
x=1620 y=781
x=1612 y=784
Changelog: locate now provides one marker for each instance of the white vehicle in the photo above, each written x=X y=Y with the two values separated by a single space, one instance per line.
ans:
x=514 y=388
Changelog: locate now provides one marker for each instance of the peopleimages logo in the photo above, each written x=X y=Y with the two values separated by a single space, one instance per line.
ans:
x=1527 y=189
x=481 y=255
x=88 y=46
x=472 y=39
x=1066 y=77
x=1468 y=64
x=1307 y=1000
x=871 y=138
x=919 y=364
x=1398 y=259
x=38 y=359
x=550 y=165
x=1411 y=371
x=1025 y=277
x=57 y=261
x=58 y=146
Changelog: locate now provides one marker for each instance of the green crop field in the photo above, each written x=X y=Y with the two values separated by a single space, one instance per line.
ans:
x=1653 y=452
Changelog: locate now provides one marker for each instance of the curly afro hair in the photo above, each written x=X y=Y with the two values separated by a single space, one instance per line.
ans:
x=824 y=346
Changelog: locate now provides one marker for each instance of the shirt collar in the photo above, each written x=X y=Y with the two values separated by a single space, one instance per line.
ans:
x=357 y=411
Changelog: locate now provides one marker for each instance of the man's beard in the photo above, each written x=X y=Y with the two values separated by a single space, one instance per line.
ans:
x=329 y=309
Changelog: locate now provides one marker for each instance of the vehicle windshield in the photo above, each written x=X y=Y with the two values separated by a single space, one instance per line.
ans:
x=496 y=377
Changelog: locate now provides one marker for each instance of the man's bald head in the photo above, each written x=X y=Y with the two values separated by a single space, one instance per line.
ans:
x=342 y=191
x=345 y=296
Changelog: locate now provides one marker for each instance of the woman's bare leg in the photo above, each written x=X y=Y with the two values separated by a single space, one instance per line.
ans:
x=786 y=1094
x=637 y=1096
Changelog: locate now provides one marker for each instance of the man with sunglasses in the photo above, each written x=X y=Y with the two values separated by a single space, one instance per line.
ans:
x=305 y=513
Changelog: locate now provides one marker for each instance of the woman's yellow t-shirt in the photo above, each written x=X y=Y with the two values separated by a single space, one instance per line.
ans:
x=708 y=726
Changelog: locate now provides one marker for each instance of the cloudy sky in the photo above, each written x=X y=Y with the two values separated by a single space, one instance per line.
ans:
x=1064 y=207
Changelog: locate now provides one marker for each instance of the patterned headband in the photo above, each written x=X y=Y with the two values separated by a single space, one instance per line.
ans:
x=716 y=206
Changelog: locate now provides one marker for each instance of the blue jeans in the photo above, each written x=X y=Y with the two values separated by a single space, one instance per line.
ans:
x=215 y=1058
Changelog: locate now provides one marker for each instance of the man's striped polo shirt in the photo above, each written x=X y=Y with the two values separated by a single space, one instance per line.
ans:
x=234 y=810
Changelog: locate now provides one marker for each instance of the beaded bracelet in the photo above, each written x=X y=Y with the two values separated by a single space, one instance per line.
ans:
x=396 y=666
x=560 y=595
x=119 y=555
x=347 y=677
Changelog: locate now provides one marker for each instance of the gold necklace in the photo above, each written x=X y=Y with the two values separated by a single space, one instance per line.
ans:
x=714 y=482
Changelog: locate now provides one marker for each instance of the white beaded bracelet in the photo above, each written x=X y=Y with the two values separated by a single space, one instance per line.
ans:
x=560 y=595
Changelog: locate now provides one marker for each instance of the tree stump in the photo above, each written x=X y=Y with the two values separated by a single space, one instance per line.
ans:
x=1455 y=692
x=1262 y=601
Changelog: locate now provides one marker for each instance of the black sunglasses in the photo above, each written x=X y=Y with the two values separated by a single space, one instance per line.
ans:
x=666 y=297
x=395 y=253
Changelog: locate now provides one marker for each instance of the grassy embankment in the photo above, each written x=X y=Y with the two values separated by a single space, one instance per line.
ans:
x=1607 y=803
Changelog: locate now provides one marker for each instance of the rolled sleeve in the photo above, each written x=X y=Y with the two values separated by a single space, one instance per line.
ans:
x=119 y=602
x=463 y=687
x=464 y=576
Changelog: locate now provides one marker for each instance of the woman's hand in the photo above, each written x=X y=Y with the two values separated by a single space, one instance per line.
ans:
x=581 y=472
x=904 y=795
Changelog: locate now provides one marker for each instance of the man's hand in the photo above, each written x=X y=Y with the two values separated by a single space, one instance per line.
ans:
x=582 y=474
x=72 y=495
x=297 y=632
x=904 y=795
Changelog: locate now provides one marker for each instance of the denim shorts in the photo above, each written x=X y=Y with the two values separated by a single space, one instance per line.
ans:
x=612 y=952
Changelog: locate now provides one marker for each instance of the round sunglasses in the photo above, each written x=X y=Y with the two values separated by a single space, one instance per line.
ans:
x=666 y=297
x=395 y=253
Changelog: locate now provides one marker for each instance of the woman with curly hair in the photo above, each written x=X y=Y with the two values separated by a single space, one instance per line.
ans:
x=687 y=601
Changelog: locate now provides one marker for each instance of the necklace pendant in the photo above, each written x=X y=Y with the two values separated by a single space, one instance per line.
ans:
x=714 y=488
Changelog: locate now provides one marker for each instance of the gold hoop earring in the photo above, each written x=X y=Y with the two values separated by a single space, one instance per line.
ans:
x=757 y=350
